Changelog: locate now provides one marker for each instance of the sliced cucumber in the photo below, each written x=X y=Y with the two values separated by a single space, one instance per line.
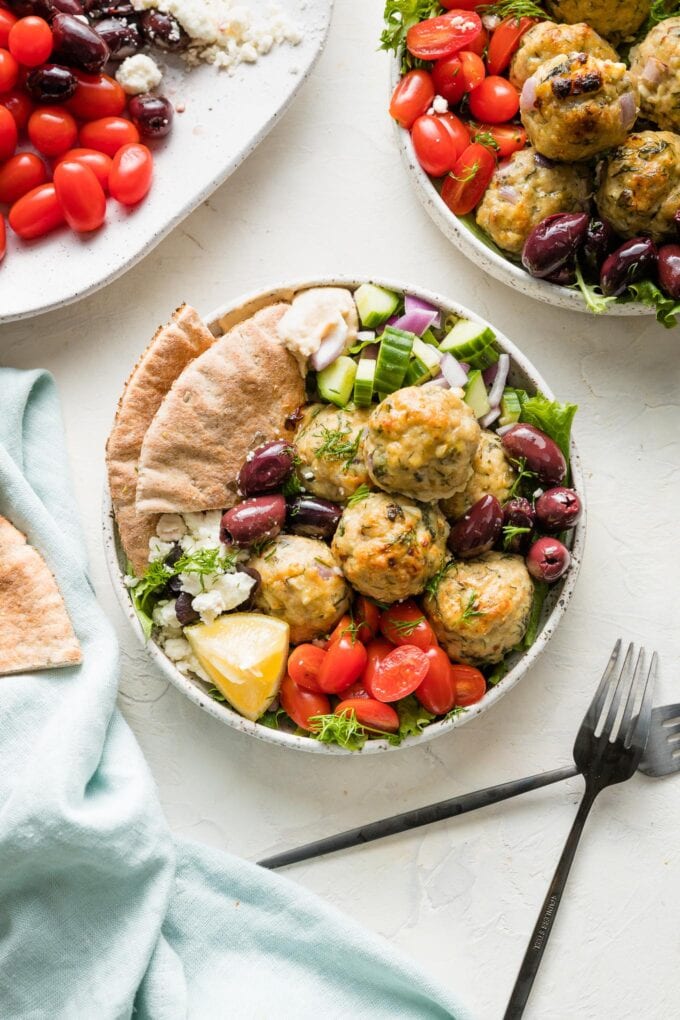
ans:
x=416 y=373
x=471 y=343
x=427 y=355
x=363 y=382
x=336 y=382
x=393 y=358
x=476 y=396
x=374 y=304
x=511 y=408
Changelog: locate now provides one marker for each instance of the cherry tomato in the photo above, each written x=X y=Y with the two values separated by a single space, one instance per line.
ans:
x=36 y=213
x=9 y=71
x=96 y=96
x=504 y=138
x=472 y=69
x=447 y=76
x=81 y=195
x=400 y=673
x=30 y=41
x=470 y=684
x=6 y=21
x=9 y=135
x=356 y=690
x=376 y=651
x=496 y=100
x=99 y=163
x=108 y=134
x=434 y=146
x=301 y=705
x=371 y=713
x=344 y=663
x=505 y=40
x=304 y=664
x=469 y=179
x=20 y=105
x=443 y=35
x=3 y=238
x=343 y=628
x=404 y=624
x=366 y=617
x=21 y=174
x=463 y=5
x=131 y=174
x=52 y=130
x=458 y=131
x=479 y=44
x=437 y=692
x=412 y=96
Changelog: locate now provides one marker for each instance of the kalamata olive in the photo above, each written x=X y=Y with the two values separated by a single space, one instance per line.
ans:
x=122 y=37
x=313 y=516
x=669 y=270
x=554 y=242
x=255 y=519
x=633 y=260
x=184 y=611
x=540 y=453
x=266 y=468
x=77 y=44
x=558 y=509
x=162 y=30
x=110 y=8
x=151 y=115
x=676 y=220
x=548 y=559
x=75 y=7
x=564 y=276
x=51 y=83
x=601 y=240
x=477 y=530
x=518 y=513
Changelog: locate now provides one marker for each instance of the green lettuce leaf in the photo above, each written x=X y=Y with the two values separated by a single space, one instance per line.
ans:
x=400 y=15
x=413 y=718
x=667 y=309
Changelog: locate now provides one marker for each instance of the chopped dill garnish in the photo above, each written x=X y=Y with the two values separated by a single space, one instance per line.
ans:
x=523 y=475
x=471 y=609
x=432 y=586
x=510 y=531
x=406 y=627
x=337 y=445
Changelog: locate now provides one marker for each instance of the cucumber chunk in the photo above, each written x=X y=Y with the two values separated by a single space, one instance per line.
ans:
x=363 y=382
x=374 y=304
x=336 y=382
x=393 y=359
x=511 y=408
x=429 y=356
x=476 y=396
x=471 y=343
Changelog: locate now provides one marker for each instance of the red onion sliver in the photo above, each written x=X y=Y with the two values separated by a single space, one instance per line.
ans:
x=416 y=321
x=370 y=353
x=413 y=303
x=653 y=71
x=528 y=98
x=496 y=391
x=509 y=194
x=628 y=109
x=328 y=352
x=453 y=371
x=439 y=381
x=489 y=374
x=490 y=418
x=505 y=428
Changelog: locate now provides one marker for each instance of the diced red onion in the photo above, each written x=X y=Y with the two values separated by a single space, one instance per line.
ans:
x=653 y=71
x=490 y=418
x=328 y=352
x=413 y=303
x=490 y=373
x=370 y=353
x=527 y=100
x=391 y=321
x=543 y=161
x=496 y=391
x=509 y=194
x=628 y=109
x=453 y=371
x=365 y=334
x=440 y=381
x=325 y=572
x=505 y=428
x=416 y=321
x=464 y=365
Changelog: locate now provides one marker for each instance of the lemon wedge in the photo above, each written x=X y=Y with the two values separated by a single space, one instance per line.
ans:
x=245 y=656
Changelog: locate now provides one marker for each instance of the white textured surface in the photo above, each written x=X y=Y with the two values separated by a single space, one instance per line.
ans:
x=327 y=193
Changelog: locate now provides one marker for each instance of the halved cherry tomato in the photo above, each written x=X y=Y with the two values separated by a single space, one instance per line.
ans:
x=304 y=664
x=36 y=213
x=404 y=624
x=20 y=105
x=131 y=174
x=344 y=663
x=447 y=77
x=470 y=684
x=399 y=673
x=376 y=651
x=443 y=35
x=19 y=175
x=370 y=713
x=433 y=145
x=356 y=690
x=506 y=138
x=30 y=41
x=496 y=100
x=9 y=71
x=108 y=134
x=469 y=179
x=479 y=44
x=437 y=692
x=81 y=195
x=472 y=69
x=412 y=96
x=301 y=705
x=505 y=40
x=96 y=96
x=458 y=131
x=344 y=627
x=9 y=135
x=99 y=163
x=3 y=238
x=7 y=20
x=366 y=617
x=52 y=130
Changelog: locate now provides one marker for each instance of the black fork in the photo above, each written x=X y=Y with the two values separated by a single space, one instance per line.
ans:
x=609 y=747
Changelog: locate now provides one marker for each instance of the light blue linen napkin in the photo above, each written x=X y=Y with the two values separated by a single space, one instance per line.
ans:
x=102 y=914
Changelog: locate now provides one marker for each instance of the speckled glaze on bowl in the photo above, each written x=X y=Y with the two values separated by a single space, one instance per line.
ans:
x=476 y=251
x=522 y=374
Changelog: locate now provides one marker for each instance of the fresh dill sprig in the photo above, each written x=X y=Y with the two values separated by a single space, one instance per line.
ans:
x=343 y=729
x=523 y=475
x=205 y=561
x=510 y=531
x=292 y=486
x=471 y=609
x=455 y=711
x=432 y=586
x=337 y=445
x=359 y=494
x=515 y=9
x=406 y=627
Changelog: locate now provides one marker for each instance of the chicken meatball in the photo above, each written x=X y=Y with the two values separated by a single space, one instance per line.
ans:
x=328 y=444
x=492 y=473
x=420 y=441
x=639 y=189
x=481 y=607
x=547 y=40
x=389 y=546
x=576 y=106
x=524 y=191
x=301 y=584
x=655 y=67
x=614 y=19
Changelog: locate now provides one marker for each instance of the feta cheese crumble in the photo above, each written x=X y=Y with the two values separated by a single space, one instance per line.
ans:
x=138 y=74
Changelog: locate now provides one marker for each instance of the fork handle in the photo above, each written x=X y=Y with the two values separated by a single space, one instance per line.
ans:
x=541 y=933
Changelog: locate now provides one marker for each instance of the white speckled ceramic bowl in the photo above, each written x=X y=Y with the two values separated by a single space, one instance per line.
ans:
x=476 y=251
x=522 y=374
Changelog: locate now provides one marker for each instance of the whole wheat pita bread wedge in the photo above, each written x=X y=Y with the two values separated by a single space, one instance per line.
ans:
x=233 y=397
x=172 y=348
x=36 y=632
